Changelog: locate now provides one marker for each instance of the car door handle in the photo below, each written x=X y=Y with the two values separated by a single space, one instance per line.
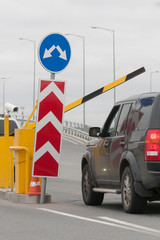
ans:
x=122 y=143
x=106 y=144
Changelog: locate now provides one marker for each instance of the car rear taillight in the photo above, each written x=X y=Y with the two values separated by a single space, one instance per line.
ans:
x=152 y=145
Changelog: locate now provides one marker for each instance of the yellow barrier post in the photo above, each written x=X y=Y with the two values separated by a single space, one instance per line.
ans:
x=24 y=143
x=6 y=126
x=12 y=170
x=6 y=161
x=27 y=178
x=35 y=107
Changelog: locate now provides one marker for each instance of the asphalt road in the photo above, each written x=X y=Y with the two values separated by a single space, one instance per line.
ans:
x=68 y=218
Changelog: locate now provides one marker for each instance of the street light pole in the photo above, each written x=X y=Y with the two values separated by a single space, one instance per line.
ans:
x=34 y=67
x=84 y=81
x=4 y=81
x=114 y=70
x=83 y=38
x=4 y=94
x=151 y=73
x=114 y=77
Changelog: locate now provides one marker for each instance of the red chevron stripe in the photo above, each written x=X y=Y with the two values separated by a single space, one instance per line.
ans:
x=60 y=85
x=48 y=133
x=44 y=84
x=42 y=162
x=51 y=104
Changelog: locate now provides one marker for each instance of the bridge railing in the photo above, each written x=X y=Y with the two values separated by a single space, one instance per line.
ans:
x=77 y=133
x=75 y=125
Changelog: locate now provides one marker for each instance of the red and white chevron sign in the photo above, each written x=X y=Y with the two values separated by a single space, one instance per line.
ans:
x=49 y=127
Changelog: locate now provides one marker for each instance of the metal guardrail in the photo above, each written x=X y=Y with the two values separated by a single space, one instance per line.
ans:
x=77 y=133
x=78 y=126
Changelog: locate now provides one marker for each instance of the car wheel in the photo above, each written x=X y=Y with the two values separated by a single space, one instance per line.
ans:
x=132 y=202
x=90 y=197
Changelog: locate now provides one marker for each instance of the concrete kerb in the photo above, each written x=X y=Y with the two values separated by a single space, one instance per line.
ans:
x=22 y=198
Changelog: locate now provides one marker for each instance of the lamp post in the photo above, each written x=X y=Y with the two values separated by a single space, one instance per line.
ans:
x=83 y=38
x=4 y=81
x=151 y=74
x=34 y=67
x=112 y=31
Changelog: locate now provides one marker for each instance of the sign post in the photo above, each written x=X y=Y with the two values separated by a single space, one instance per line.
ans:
x=54 y=55
x=44 y=179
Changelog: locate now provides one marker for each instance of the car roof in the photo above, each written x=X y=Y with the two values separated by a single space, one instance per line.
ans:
x=139 y=96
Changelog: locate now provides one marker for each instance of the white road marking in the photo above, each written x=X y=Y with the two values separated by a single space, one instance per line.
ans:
x=130 y=224
x=139 y=229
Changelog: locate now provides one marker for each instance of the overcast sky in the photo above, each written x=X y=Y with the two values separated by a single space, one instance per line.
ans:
x=137 y=44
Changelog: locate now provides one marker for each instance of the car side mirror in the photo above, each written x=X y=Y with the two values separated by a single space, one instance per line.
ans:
x=94 y=131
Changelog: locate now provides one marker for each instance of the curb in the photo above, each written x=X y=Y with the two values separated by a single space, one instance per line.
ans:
x=22 y=198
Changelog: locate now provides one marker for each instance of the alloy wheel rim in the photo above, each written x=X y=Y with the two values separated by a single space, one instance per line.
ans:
x=127 y=190
x=86 y=184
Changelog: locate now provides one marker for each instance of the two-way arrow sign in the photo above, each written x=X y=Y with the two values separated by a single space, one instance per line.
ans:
x=47 y=52
x=54 y=52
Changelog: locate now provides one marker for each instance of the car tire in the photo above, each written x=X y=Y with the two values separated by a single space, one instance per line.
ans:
x=89 y=197
x=132 y=202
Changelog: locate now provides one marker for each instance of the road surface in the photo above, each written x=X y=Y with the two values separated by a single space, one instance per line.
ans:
x=67 y=218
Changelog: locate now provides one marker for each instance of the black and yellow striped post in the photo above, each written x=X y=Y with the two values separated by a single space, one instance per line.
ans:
x=104 y=89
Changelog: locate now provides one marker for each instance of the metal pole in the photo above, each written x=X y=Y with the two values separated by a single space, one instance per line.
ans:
x=83 y=38
x=4 y=81
x=34 y=75
x=53 y=76
x=151 y=81
x=44 y=179
x=3 y=95
x=114 y=77
x=43 y=190
x=84 y=81
x=151 y=74
x=34 y=70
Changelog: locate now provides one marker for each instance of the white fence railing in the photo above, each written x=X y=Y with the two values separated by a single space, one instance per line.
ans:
x=76 y=132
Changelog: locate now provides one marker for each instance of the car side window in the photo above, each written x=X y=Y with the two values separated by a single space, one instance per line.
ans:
x=110 y=124
x=111 y=129
x=121 y=126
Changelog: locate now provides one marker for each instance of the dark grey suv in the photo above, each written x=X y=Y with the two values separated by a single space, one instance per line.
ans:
x=125 y=155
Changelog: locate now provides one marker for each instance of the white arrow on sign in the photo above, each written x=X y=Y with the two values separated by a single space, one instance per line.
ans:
x=62 y=53
x=47 y=52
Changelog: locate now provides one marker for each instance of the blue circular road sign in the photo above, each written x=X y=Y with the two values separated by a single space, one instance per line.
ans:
x=54 y=52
